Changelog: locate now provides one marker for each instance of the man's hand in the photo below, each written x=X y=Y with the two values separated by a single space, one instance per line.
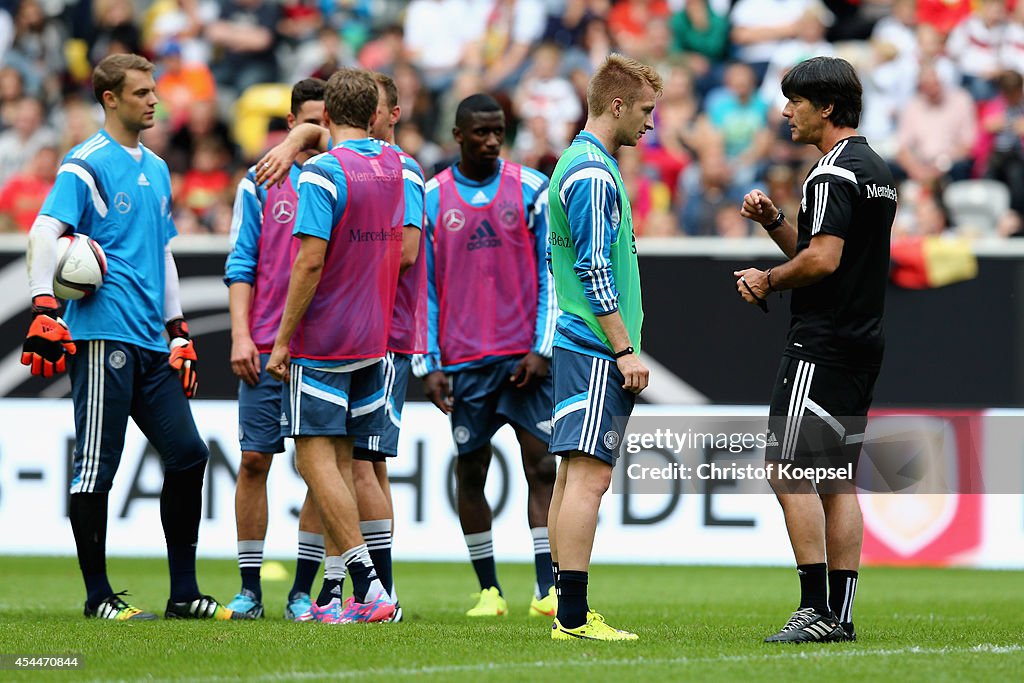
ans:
x=752 y=284
x=757 y=206
x=636 y=373
x=48 y=341
x=183 y=355
x=274 y=167
x=439 y=390
x=245 y=360
x=531 y=369
x=279 y=365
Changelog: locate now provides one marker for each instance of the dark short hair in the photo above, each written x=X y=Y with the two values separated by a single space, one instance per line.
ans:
x=109 y=74
x=827 y=80
x=351 y=98
x=480 y=103
x=390 y=89
x=307 y=90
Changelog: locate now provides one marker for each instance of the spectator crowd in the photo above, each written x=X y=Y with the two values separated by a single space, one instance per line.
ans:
x=943 y=92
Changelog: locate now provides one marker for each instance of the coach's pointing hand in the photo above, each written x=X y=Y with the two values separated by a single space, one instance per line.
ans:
x=636 y=373
x=279 y=363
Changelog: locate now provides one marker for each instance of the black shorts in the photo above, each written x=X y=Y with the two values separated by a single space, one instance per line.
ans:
x=818 y=414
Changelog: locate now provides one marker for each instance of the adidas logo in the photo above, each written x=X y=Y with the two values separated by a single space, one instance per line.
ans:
x=484 y=237
x=336 y=590
x=284 y=420
x=143 y=180
x=480 y=198
x=772 y=440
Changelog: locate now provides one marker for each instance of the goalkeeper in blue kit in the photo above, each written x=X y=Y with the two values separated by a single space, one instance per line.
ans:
x=115 y=190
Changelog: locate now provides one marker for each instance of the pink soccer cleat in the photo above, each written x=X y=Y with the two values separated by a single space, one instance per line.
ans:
x=330 y=613
x=380 y=609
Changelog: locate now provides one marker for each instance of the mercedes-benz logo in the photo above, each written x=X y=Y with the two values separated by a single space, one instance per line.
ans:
x=283 y=211
x=122 y=202
x=454 y=220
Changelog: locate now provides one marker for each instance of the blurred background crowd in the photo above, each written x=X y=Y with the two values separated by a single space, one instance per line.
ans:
x=943 y=93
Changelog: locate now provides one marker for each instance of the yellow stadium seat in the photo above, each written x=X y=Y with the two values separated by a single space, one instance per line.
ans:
x=253 y=111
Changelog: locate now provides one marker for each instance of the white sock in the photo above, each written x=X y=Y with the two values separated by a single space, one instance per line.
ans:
x=376 y=533
x=334 y=568
x=250 y=554
x=311 y=546
x=481 y=545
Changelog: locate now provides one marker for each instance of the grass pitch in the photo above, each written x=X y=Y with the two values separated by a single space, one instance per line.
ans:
x=695 y=623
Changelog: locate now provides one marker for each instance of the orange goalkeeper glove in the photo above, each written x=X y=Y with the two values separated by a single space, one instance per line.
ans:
x=48 y=341
x=183 y=355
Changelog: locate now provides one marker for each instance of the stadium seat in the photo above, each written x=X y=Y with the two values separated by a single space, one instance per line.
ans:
x=977 y=205
x=253 y=111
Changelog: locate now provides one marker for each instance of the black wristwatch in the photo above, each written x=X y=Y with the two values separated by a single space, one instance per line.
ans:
x=779 y=220
x=624 y=352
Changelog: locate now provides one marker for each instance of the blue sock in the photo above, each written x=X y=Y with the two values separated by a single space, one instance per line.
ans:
x=97 y=588
x=572 y=600
x=88 y=512
x=311 y=553
x=481 y=553
x=542 y=561
x=181 y=559
x=377 y=534
x=181 y=506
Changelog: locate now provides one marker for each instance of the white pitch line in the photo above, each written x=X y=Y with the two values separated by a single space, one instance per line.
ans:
x=982 y=648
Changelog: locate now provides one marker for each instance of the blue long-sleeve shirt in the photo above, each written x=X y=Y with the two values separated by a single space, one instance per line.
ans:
x=589 y=194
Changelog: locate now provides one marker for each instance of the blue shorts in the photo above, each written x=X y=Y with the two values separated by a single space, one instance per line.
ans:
x=112 y=381
x=259 y=413
x=485 y=399
x=591 y=406
x=319 y=402
x=396 y=381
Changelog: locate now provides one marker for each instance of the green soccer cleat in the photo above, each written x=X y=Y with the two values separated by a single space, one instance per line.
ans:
x=594 y=629
x=203 y=607
x=489 y=604
x=546 y=606
x=117 y=609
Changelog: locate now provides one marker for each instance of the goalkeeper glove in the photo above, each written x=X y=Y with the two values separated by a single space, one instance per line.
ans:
x=183 y=355
x=48 y=340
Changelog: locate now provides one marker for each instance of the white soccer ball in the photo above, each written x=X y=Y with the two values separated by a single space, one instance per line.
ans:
x=81 y=267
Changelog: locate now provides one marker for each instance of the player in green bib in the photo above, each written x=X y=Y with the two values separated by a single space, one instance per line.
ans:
x=595 y=364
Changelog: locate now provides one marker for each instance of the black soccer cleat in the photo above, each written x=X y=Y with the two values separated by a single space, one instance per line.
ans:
x=849 y=632
x=115 y=608
x=807 y=625
x=203 y=607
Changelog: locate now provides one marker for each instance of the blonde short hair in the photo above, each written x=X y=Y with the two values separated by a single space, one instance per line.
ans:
x=621 y=77
x=351 y=97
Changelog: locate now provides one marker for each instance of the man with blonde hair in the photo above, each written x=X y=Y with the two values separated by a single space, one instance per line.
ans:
x=334 y=331
x=597 y=370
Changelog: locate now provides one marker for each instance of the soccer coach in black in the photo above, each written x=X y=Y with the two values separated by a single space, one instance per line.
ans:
x=838 y=267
